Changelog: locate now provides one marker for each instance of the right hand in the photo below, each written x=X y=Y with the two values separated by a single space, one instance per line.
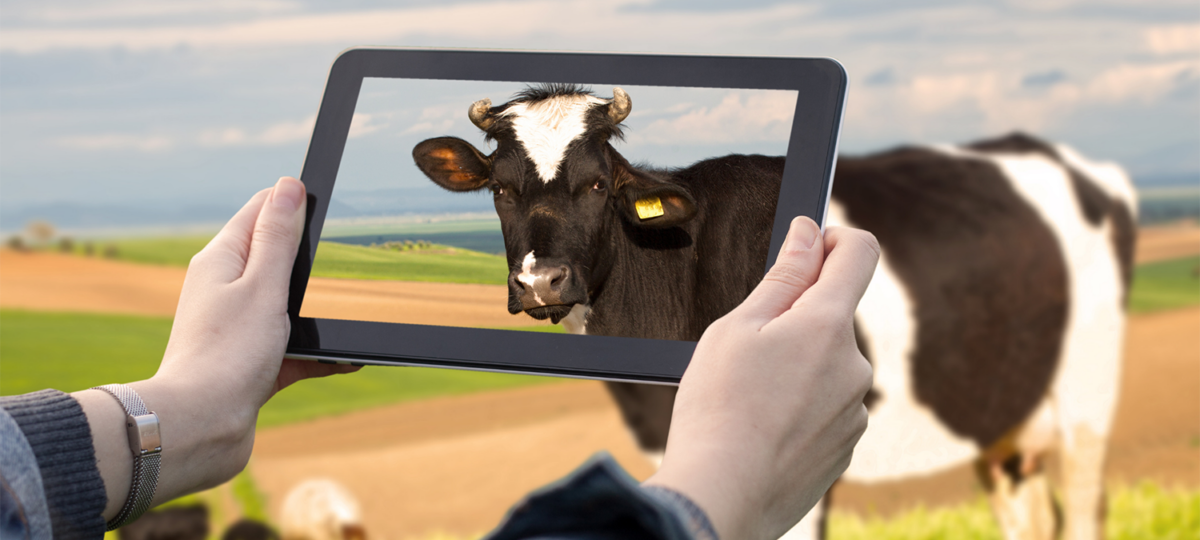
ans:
x=771 y=406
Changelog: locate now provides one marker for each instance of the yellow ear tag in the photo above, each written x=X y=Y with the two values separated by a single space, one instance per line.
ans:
x=650 y=207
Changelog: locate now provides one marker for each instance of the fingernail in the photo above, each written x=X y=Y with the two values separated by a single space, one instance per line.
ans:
x=288 y=194
x=801 y=235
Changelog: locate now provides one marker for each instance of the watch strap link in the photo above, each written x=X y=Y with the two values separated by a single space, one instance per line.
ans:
x=146 y=461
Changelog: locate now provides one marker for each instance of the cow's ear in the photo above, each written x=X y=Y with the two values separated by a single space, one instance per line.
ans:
x=651 y=202
x=453 y=163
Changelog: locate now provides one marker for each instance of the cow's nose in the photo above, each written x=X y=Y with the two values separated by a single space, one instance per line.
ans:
x=543 y=286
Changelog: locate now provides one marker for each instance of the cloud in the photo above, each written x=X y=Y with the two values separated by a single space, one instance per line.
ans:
x=537 y=17
x=118 y=141
x=132 y=10
x=364 y=124
x=1143 y=83
x=435 y=119
x=276 y=134
x=1179 y=38
x=739 y=117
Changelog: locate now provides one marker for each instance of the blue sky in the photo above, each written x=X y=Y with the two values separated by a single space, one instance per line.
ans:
x=164 y=107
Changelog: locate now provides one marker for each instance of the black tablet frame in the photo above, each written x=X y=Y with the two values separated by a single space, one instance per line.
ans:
x=807 y=179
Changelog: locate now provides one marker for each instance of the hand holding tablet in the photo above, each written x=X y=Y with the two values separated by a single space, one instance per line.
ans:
x=633 y=200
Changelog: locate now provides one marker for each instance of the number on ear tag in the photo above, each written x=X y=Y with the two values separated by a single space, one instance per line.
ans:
x=650 y=207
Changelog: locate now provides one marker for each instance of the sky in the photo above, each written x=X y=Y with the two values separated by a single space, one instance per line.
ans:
x=120 y=110
x=667 y=127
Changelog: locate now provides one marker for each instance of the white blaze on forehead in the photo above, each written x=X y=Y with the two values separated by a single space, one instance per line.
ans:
x=548 y=126
x=528 y=278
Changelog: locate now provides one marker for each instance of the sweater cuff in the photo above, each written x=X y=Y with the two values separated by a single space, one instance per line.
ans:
x=58 y=434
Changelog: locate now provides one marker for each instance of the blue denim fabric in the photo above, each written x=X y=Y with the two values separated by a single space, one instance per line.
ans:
x=599 y=501
x=23 y=510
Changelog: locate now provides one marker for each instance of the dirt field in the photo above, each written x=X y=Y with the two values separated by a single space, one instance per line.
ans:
x=456 y=464
x=447 y=304
x=51 y=281
x=1168 y=242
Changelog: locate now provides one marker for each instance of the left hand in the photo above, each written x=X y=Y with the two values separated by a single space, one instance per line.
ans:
x=225 y=356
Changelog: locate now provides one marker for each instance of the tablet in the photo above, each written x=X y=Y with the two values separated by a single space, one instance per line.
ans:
x=569 y=214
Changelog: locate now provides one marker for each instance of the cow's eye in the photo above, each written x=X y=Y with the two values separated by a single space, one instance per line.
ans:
x=599 y=186
x=497 y=190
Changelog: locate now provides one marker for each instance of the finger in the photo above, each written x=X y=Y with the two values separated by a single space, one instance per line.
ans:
x=277 y=234
x=293 y=370
x=850 y=260
x=794 y=271
x=224 y=258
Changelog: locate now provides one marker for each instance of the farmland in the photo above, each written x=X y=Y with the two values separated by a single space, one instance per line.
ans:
x=74 y=351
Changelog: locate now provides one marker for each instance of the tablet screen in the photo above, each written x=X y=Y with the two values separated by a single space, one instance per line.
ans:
x=448 y=210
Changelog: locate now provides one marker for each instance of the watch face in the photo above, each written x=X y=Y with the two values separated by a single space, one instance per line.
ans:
x=144 y=435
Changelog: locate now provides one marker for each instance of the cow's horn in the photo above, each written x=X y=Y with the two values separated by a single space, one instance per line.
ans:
x=620 y=106
x=479 y=114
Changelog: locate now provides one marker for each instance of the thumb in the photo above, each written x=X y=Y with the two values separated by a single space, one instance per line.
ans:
x=277 y=233
x=794 y=271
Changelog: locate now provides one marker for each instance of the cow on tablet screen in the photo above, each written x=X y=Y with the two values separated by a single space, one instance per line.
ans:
x=994 y=321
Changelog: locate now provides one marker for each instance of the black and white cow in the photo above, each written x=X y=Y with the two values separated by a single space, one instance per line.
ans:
x=994 y=321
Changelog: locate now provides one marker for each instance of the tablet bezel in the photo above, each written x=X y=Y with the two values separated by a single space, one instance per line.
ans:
x=808 y=173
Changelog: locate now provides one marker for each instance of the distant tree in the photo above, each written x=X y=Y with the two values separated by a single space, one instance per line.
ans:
x=66 y=245
x=89 y=249
x=15 y=243
x=110 y=251
x=40 y=232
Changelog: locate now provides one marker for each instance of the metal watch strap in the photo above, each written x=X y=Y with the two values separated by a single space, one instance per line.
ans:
x=145 y=460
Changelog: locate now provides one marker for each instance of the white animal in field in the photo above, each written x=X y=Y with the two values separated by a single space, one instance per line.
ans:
x=321 y=509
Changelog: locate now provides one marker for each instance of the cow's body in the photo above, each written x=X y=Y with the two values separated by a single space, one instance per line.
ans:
x=994 y=321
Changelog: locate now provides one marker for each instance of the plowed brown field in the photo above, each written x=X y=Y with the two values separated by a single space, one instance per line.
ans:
x=456 y=464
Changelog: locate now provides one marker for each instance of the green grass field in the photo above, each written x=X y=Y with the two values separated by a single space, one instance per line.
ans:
x=72 y=351
x=167 y=251
x=360 y=262
x=337 y=228
x=1165 y=285
x=1142 y=512
x=1156 y=286
x=341 y=260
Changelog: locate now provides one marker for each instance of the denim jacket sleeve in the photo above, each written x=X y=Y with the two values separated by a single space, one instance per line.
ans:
x=23 y=512
x=600 y=501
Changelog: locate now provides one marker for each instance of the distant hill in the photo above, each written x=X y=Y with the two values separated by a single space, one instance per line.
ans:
x=1168 y=197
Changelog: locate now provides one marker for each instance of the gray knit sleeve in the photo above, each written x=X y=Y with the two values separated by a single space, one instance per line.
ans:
x=58 y=433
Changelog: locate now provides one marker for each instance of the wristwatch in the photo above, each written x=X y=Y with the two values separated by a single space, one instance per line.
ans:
x=145 y=442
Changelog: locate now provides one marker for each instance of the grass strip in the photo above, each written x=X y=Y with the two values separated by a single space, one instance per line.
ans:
x=440 y=264
x=75 y=351
x=1145 y=510
x=1165 y=285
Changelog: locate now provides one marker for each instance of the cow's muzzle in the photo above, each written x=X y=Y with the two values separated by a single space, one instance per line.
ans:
x=544 y=292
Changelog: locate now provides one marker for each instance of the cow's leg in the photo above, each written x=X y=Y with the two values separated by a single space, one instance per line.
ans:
x=646 y=409
x=812 y=526
x=1020 y=497
x=1083 y=484
x=1012 y=471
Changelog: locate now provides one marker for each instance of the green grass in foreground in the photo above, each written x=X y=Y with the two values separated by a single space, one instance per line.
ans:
x=74 y=351
x=1165 y=285
x=361 y=262
x=1145 y=511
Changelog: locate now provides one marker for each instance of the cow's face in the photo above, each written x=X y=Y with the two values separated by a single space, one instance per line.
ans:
x=562 y=192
